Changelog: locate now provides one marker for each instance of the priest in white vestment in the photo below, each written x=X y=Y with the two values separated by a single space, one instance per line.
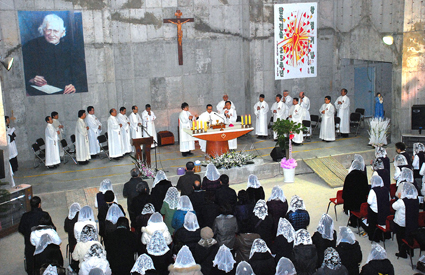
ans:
x=125 y=130
x=82 y=148
x=287 y=99
x=52 y=144
x=148 y=118
x=342 y=105
x=327 y=126
x=279 y=111
x=59 y=127
x=135 y=123
x=114 y=136
x=296 y=114
x=95 y=128
x=231 y=117
x=211 y=117
x=221 y=106
x=261 y=108
x=187 y=142
x=305 y=103
x=11 y=145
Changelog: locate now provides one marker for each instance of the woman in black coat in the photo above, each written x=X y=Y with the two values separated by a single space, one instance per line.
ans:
x=324 y=237
x=262 y=223
x=68 y=226
x=189 y=234
x=349 y=250
x=377 y=262
x=304 y=255
x=254 y=189
x=242 y=212
x=205 y=250
x=284 y=242
x=47 y=252
x=159 y=189
x=277 y=205
x=260 y=258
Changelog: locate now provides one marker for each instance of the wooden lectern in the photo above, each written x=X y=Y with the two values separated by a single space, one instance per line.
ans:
x=146 y=156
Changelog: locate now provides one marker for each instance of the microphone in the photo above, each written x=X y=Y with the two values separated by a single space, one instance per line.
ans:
x=217 y=114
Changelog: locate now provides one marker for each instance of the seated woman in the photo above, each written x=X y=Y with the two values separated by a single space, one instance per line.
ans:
x=185 y=263
x=211 y=180
x=205 y=250
x=188 y=235
x=304 y=255
x=143 y=266
x=223 y=263
x=243 y=210
x=105 y=185
x=284 y=242
x=324 y=237
x=85 y=217
x=277 y=205
x=95 y=258
x=297 y=215
x=285 y=267
x=406 y=217
x=254 y=189
x=261 y=259
x=379 y=169
x=377 y=262
x=159 y=189
x=244 y=268
x=143 y=218
x=349 y=250
x=379 y=206
x=114 y=213
x=160 y=253
x=184 y=206
x=47 y=252
x=169 y=206
x=262 y=223
x=332 y=264
x=155 y=223
x=225 y=227
x=88 y=237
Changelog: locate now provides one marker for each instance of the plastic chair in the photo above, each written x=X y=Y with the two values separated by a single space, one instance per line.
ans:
x=355 y=119
x=41 y=144
x=362 y=214
x=73 y=141
x=361 y=111
x=421 y=219
x=337 y=126
x=307 y=124
x=336 y=201
x=385 y=229
x=412 y=247
x=103 y=143
x=39 y=155
x=66 y=151
x=315 y=121
x=393 y=190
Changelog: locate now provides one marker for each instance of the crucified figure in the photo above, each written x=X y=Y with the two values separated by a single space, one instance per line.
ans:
x=179 y=29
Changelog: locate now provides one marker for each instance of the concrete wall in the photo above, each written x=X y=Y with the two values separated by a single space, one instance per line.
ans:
x=131 y=56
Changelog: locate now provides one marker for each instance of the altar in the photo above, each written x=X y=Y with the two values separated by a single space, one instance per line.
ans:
x=217 y=139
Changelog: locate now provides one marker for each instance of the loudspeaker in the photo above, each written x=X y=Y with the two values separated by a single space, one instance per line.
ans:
x=165 y=138
x=418 y=117
x=277 y=154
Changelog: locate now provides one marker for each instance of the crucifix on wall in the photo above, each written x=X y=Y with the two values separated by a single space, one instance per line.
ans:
x=179 y=22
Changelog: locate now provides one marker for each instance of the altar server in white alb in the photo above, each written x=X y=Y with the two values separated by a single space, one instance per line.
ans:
x=114 y=136
x=221 y=106
x=11 y=145
x=287 y=99
x=58 y=127
x=95 y=129
x=327 y=126
x=261 y=108
x=279 y=111
x=135 y=123
x=52 y=144
x=148 y=118
x=125 y=130
x=305 y=103
x=296 y=114
x=342 y=105
x=82 y=148
x=231 y=117
x=187 y=142
x=210 y=117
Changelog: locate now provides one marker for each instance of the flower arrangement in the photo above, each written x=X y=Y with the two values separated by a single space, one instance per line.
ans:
x=289 y=163
x=378 y=131
x=145 y=171
x=231 y=159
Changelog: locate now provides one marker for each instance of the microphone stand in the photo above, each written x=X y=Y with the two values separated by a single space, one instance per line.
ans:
x=156 y=145
x=217 y=114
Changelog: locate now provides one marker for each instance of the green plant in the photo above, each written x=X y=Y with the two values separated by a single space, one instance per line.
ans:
x=284 y=128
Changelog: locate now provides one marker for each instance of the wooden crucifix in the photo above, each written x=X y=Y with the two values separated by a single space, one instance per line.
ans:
x=179 y=22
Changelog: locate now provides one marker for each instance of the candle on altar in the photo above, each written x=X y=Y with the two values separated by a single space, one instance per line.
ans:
x=242 y=120
x=249 y=120
x=199 y=125
x=193 y=124
x=246 y=119
x=205 y=125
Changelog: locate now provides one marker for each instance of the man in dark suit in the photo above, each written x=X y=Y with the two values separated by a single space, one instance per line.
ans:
x=185 y=182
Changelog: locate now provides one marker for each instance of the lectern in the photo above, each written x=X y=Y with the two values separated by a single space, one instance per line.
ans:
x=146 y=156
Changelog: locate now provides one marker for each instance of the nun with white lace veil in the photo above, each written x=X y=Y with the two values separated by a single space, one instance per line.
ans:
x=284 y=241
x=377 y=262
x=254 y=189
x=331 y=264
x=324 y=237
x=160 y=253
x=88 y=237
x=381 y=153
x=211 y=180
x=262 y=222
x=45 y=227
x=379 y=169
x=155 y=223
x=85 y=217
x=297 y=214
x=169 y=206
x=400 y=162
x=379 y=206
x=143 y=218
x=183 y=206
x=185 y=264
x=52 y=270
x=69 y=224
x=47 y=252
x=285 y=267
x=349 y=250
x=277 y=205
x=244 y=268
x=105 y=185
x=406 y=175
x=360 y=159
x=189 y=234
x=95 y=258
x=223 y=263
x=261 y=259
x=143 y=266
x=304 y=255
x=159 y=189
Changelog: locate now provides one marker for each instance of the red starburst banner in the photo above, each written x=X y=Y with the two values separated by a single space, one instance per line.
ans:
x=295 y=40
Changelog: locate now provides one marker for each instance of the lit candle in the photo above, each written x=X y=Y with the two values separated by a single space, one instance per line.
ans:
x=249 y=119
x=242 y=120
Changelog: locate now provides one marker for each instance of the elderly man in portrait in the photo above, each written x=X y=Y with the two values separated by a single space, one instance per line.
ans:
x=53 y=64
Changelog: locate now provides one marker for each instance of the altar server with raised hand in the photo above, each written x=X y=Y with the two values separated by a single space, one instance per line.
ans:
x=148 y=118
x=125 y=130
x=52 y=144
x=221 y=106
x=327 y=127
x=114 y=135
x=296 y=114
x=261 y=109
x=82 y=148
x=287 y=99
x=135 y=123
x=231 y=117
x=95 y=128
x=187 y=142
x=342 y=105
x=279 y=111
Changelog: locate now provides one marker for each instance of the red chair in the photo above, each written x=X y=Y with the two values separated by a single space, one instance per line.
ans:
x=362 y=214
x=412 y=247
x=385 y=229
x=336 y=201
x=392 y=211
x=421 y=219
x=393 y=189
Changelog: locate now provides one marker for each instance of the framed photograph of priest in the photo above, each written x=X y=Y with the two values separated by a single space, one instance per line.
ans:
x=53 y=52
